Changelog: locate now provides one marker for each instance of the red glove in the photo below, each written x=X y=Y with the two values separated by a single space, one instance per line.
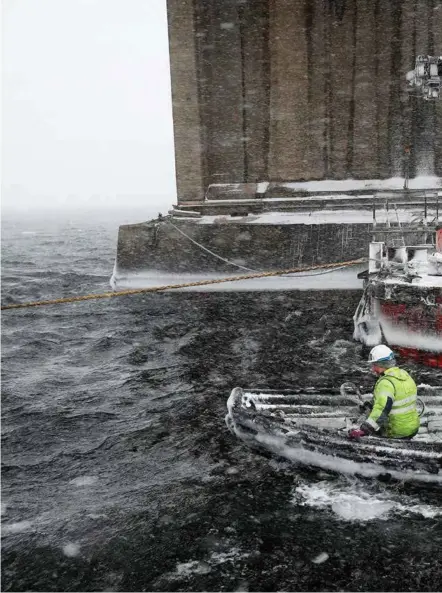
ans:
x=356 y=433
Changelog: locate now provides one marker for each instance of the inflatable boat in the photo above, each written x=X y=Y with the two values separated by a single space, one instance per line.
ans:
x=310 y=427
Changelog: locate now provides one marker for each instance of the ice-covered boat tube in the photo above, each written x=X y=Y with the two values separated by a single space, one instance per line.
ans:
x=309 y=427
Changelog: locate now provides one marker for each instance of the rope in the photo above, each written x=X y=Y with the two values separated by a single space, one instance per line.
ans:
x=105 y=295
x=317 y=273
x=231 y=263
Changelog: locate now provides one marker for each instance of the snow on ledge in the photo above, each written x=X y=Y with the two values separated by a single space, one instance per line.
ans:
x=313 y=217
x=423 y=182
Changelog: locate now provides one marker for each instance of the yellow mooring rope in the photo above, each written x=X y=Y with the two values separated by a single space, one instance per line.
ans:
x=106 y=295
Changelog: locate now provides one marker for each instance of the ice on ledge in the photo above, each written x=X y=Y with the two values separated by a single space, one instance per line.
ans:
x=317 y=217
x=422 y=182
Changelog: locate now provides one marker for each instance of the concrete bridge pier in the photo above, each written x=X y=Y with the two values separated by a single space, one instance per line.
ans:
x=283 y=90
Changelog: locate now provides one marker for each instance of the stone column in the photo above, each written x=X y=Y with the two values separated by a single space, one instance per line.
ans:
x=283 y=90
x=365 y=141
x=341 y=107
x=255 y=49
x=288 y=91
x=185 y=100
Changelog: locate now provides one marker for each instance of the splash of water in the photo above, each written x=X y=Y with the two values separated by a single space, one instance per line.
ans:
x=352 y=501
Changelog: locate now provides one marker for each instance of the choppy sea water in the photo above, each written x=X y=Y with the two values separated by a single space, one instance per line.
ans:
x=118 y=471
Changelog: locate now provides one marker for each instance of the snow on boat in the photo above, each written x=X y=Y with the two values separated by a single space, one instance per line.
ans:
x=402 y=300
x=310 y=427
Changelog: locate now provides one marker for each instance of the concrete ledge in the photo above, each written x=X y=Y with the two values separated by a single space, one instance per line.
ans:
x=313 y=202
x=184 y=213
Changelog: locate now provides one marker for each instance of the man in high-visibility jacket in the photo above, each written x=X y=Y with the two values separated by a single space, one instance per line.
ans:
x=394 y=412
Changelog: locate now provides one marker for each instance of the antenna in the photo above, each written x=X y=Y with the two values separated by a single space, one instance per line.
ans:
x=399 y=224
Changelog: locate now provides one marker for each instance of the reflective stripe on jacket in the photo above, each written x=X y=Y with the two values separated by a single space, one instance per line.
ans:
x=394 y=404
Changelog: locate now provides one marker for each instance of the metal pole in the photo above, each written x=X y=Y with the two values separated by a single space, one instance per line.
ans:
x=407 y=150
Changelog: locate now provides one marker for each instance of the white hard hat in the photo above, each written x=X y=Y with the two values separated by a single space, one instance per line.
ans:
x=379 y=353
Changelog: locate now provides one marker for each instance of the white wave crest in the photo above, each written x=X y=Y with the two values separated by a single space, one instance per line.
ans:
x=353 y=502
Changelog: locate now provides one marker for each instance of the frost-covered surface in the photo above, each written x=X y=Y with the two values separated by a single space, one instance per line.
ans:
x=232 y=186
x=306 y=218
x=342 y=185
x=423 y=182
x=371 y=328
x=290 y=433
x=332 y=462
x=408 y=338
x=367 y=330
x=342 y=279
x=324 y=413
x=374 y=444
x=315 y=216
x=262 y=187
x=426 y=281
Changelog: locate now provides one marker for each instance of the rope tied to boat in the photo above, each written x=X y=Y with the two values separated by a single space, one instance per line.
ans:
x=207 y=282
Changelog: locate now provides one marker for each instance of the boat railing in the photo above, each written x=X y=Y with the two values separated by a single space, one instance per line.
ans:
x=412 y=257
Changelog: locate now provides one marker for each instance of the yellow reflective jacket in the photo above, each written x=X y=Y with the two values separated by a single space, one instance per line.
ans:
x=394 y=410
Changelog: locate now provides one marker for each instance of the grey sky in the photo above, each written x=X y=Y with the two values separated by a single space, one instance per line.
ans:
x=86 y=104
